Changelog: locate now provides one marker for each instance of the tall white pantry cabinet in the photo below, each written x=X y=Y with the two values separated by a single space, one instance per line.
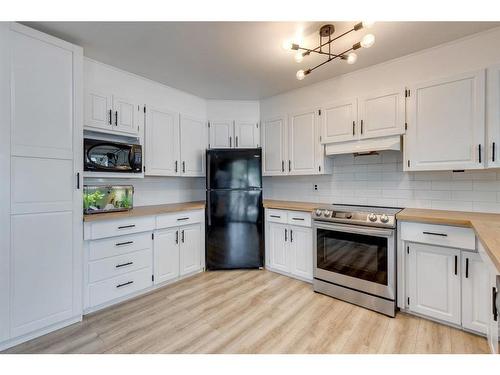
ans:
x=40 y=194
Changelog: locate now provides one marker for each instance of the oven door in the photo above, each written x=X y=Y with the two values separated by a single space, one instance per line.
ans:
x=360 y=258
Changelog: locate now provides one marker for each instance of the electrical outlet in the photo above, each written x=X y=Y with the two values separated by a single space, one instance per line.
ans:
x=315 y=187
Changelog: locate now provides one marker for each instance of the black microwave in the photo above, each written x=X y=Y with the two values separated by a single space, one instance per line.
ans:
x=106 y=156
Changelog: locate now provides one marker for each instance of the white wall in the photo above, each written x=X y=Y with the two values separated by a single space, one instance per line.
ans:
x=233 y=110
x=380 y=180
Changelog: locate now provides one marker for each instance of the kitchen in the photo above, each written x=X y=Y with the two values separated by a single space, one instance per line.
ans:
x=356 y=213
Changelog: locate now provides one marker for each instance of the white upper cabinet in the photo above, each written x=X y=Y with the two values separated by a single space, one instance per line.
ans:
x=126 y=115
x=475 y=293
x=193 y=144
x=162 y=142
x=273 y=147
x=303 y=138
x=221 y=134
x=338 y=121
x=246 y=134
x=382 y=113
x=446 y=124
x=434 y=282
x=98 y=110
x=492 y=154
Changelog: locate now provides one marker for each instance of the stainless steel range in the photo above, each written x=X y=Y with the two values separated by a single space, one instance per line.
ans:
x=355 y=255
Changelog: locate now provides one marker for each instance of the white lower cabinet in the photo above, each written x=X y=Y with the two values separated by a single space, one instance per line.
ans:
x=190 y=246
x=434 y=281
x=166 y=255
x=475 y=293
x=288 y=246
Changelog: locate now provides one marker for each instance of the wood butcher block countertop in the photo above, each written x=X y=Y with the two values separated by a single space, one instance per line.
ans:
x=146 y=211
x=486 y=226
x=292 y=205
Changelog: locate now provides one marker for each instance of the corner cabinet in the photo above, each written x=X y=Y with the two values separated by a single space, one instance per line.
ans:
x=291 y=145
x=175 y=144
x=289 y=243
x=234 y=134
x=446 y=124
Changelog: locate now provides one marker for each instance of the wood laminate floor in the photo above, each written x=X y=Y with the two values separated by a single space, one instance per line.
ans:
x=249 y=312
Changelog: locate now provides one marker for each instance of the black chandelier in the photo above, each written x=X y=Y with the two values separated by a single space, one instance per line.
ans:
x=325 y=48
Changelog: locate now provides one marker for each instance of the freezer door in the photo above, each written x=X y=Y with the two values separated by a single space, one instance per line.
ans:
x=235 y=231
x=234 y=169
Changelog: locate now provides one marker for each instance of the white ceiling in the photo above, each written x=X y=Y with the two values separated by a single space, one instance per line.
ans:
x=241 y=60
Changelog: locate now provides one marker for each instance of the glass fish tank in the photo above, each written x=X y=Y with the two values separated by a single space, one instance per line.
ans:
x=107 y=198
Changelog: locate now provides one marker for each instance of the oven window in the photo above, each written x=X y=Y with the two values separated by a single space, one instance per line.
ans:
x=356 y=255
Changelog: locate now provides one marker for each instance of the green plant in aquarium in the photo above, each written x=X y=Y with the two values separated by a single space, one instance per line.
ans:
x=126 y=202
x=90 y=200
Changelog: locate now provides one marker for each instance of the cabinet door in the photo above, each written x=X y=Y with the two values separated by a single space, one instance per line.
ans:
x=190 y=250
x=382 y=113
x=166 y=255
x=302 y=143
x=98 y=110
x=246 y=134
x=475 y=293
x=434 y=282
x=301 y=252
x=279 y=258
x=493 y=297
x=221 y=134
x=339 y=121
x=446 y=126
x=162 y=142
x=125 y=115
x=193 y=138
x=492 y=154
x=274 y=147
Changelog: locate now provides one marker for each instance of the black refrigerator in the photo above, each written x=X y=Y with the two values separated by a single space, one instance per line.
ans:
x=234 y=223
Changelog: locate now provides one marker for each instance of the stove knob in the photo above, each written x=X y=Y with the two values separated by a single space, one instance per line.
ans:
x=319 y=212
x=348 y=216
x=372 y=217
x=384 y=218
x=328 y=213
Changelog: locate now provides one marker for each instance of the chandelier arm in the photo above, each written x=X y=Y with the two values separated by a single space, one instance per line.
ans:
x=318 y=52
x=328 y=42
x=330 y=59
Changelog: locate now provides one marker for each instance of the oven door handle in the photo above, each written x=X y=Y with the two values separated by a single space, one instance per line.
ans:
x=369 y=231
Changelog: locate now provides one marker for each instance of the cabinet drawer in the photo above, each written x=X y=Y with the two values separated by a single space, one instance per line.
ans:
x=110 y=247
x=179 y=218
x=443 y=235
x=110 y=289
x=299 y=218
x=120 y=227
x=111 y=267
x=276 y=216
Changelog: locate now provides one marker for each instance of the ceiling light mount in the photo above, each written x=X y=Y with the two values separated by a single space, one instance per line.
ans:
x=325 y=47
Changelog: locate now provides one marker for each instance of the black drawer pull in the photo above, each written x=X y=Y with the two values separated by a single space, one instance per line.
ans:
x=456 y=265
x=124 y=264
x=276 y=216
x=182 y=218
x=466 y=268
x=291 y=235
x=127 y=226
x=124 y=243
x=494 y=304
x=110 y=117
x=124 y=284
x=436 y=234
x=298 y=218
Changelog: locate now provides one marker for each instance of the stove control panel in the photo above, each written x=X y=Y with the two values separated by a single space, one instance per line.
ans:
x=355 y=217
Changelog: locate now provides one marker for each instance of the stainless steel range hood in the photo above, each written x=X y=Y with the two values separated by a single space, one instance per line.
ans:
x=364 y=146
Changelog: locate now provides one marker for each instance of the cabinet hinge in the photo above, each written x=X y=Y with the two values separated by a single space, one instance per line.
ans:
x=209 y=124
x=319 y=168
x=408 y=163
x=319 y=112
x=406 y=126
x=320 y=138
x=152 y=236
x=408 y=249
x=257 y=125
x=144 y=109
x=152 y=277
x=144 y=168
x=209 y=145
x=408 y=301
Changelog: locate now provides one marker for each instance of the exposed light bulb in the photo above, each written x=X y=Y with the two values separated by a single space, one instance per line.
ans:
x=368 y=24
x=351 y=58
x=300 y=75
x=368 y=41
x=287 y=45
x=299 y=57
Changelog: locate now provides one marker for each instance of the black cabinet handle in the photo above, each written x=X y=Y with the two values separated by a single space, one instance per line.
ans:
x=291 y=235
x=466 y=268
x=493 y=152
x=456 y=265
x=276 y=216
x=230 y=141
x=78 y=180
x=286 y=235
x=176 y=236
x=176 y=166
x=298 y=218
x=183 y=167
x=436 y=234
x=289 y=165
x=116 y=118
x=110 y=117
x=494 y=303
x=124 y=243
x=282 y=166
x=361 y=126
x=124 y=284
x=183 y=218
x=479 y=150
x=236 y=141
x=124 y=264
x=182 y=235
x=353 y=128
x=127 y=226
